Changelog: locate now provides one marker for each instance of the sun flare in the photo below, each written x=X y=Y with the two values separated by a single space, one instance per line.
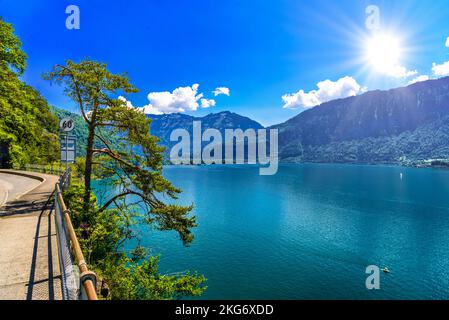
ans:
x=383 y=52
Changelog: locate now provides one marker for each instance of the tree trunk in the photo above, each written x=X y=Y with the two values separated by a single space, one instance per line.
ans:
x=88 y=169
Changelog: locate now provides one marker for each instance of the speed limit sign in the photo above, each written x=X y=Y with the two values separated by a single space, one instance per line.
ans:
x=67 y=124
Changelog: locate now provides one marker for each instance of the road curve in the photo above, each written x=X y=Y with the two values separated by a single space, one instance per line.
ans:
x=14 y=186
x=29 y=262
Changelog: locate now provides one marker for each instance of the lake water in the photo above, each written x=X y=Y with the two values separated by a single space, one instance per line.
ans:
x=310 y=231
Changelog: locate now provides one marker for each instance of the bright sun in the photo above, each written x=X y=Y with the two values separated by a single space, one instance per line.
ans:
x=383 y=52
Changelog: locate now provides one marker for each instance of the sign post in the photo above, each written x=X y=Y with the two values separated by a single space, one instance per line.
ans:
x=67 y=125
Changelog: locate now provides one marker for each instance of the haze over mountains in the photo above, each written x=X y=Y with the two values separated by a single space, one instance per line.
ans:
x=410 y=123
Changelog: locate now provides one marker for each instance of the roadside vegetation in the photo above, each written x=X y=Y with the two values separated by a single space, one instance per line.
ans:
x=124 y=273
x=119 y=150
x=28 y=129
x=122 y=153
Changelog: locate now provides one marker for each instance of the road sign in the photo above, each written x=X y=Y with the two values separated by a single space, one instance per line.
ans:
x=68 y=149
x=67 y=124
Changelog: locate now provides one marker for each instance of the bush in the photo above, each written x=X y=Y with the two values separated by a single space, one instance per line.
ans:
x=122 y=275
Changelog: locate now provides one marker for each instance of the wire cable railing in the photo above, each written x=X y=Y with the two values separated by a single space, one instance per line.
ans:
x=78 y=282
x=53 y=168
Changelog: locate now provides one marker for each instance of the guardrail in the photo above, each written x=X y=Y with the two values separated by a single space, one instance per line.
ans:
x=78 y=283
x=56 y=168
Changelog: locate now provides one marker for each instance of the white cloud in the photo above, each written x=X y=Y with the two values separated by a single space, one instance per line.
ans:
x=181 y=99
x=327 y=90
x=222 y=90
x=399 y=72
x=128 y=103
x=420 y=78
x=207 y=103
x=149 y=109
x=440 y=69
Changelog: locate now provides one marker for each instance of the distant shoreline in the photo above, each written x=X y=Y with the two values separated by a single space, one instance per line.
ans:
x=418 y=164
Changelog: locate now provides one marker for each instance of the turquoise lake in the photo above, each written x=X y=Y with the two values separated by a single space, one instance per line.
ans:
x=310 y=231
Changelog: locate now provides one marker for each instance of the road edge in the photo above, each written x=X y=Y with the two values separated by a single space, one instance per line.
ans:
x=23 y=174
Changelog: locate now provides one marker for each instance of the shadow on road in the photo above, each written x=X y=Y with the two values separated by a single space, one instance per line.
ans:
x=34 y=285
x=20 y=207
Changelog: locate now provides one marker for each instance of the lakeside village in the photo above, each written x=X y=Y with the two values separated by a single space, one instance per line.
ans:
x=428 y=163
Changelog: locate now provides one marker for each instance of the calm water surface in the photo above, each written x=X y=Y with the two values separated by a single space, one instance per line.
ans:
x=310 y=231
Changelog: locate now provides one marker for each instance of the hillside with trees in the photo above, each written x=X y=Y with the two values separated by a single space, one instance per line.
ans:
x=28 y=129
x=81 y=131
x=394 y=126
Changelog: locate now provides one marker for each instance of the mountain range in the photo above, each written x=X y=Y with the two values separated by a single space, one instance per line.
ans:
x=397 y=125
x=163 y=125
x=379 y=126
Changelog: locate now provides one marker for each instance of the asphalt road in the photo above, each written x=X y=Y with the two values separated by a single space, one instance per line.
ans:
x=29 y=262
x=13 y=186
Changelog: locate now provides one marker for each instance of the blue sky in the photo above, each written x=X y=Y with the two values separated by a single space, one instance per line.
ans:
x=260 y=50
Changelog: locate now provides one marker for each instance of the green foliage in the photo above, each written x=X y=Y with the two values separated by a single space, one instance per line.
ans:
x=132 y=162
x=11 y=54
x=128 y=275
x=121 y=151
x=429 y=141
x=28 y=130
x=142 y=281
x=81 y=131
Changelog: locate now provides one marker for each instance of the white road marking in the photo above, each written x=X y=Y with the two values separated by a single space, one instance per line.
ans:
x=15 y=186
x=4 y=191
x=2 y=202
